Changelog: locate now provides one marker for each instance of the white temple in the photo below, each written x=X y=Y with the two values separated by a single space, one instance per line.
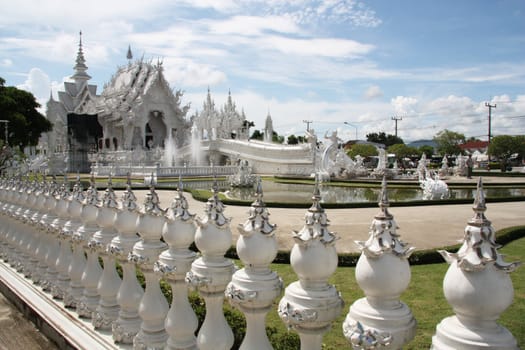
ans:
x=78 y=98
x=138 y=119
x=137 y=109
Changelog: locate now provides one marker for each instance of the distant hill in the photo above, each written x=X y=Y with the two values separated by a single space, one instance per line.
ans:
x=420 y=143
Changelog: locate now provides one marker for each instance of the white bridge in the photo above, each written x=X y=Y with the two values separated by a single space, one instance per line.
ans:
x=208 y=157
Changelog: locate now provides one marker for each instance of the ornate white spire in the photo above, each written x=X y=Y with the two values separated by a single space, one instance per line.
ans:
x=479 y=249
x=80 y=77
x=129 y=54
x=383 y=236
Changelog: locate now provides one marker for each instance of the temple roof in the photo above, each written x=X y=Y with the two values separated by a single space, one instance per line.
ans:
x=128 y=85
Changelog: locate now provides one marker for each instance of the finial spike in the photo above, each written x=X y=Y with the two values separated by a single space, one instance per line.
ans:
x=479 y=201
x=383 y=201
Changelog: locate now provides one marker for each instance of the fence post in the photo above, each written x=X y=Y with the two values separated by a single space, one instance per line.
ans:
x=478 y=287
x=109 y=283
x=153 y=306
x=179 y=232
x=130 y=292
x=254 y=288
x=212 y=272
x=383 y=273
x=310 y=305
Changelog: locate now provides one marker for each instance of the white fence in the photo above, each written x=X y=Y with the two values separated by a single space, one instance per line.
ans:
x=52 y=239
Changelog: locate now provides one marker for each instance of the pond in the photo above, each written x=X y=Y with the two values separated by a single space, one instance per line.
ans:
x=300 y=193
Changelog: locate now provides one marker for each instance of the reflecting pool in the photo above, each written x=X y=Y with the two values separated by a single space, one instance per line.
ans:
x=300 y=193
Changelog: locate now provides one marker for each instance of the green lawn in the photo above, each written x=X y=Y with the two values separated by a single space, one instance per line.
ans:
x=424 y=296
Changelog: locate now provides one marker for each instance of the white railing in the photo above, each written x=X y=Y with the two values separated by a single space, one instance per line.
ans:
x=162 y=171
x=46 y=232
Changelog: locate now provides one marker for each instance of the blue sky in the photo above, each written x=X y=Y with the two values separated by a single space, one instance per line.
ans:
x=433 y=63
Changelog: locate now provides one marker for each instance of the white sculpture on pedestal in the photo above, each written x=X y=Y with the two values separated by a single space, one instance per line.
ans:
x=478 y=287
x=212 y=272
x=383 y=273
x=310 y=305
x=254 y=288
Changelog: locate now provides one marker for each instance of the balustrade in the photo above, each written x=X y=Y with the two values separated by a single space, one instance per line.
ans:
x=45 y=231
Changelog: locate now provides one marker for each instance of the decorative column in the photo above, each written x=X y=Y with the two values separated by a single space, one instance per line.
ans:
x=254 y=288
x=478 y=287
x=92 y=271
x=25 y=233
x=130 y=292
x=310 y=305
x=109 y=283
x=9 y=229
x=179 y=232
x=153 y=306
x=383 y=273
x=53 y=245
x=41 y=250
x=212 y=272
x=37 y=234
x=78 y=262
x=29 y=244
x=64 y=257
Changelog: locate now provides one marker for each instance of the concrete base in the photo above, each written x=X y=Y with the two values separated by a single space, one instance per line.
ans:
x=56 y=322
x=451 y=334
x=396 y=320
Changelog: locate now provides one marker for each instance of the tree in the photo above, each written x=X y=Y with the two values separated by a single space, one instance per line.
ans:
x=277 y=138
x=363 y=150
x=504 y=146
x=19 y=107
x=292 y=140
x=387 y=140
x=257 y=135
x=447 y=142
x=402 y=151
x=427 y=149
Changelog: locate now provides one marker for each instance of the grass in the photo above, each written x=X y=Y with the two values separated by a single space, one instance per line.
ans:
x=424 y=296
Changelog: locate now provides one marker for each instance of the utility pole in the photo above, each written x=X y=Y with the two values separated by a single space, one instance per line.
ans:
x=347 y=123
x=490 y=117
x=396 y=119
x=308 y=122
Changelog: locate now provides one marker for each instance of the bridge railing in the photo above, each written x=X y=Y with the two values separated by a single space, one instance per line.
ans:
x=53 y=237
x=163 y=171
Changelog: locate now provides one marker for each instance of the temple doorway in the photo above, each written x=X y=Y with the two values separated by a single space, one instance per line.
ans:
x=155 y=130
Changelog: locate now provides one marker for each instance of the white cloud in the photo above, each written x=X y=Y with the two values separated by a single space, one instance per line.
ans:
x=185 y=73
x=311 y=47
x=372 y=92
x=252 y=25
x=38 y=83
x=404 y=105
x=6 y=62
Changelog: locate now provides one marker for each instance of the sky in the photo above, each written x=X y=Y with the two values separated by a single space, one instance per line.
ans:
x=344 y=65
